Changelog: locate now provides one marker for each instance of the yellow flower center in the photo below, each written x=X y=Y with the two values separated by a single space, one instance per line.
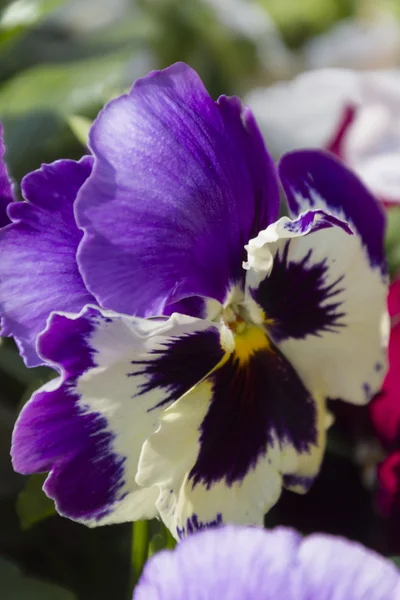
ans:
x=242 y=338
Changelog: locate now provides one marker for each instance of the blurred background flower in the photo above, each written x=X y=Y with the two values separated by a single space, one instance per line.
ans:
x=239 y=562
x=60 y=61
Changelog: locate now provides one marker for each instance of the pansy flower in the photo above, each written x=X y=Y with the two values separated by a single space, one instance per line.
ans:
x=246 y=563
x=193 y=382
x=385 y=415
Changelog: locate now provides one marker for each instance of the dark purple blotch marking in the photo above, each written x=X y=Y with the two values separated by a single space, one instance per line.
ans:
x=193 y=524
x=251 y=405
x=292 y=296
x=54 y=433
x=182 y=363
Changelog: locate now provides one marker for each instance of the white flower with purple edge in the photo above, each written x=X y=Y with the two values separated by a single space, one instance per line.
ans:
x=243 y=563
x=193 y=374
x=355 y=114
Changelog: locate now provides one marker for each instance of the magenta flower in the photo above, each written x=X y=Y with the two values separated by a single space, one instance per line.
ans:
x=251 y=564
x=385 y=414
x=197 y=337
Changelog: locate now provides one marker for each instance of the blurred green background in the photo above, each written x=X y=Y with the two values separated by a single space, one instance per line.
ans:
x=60 y=61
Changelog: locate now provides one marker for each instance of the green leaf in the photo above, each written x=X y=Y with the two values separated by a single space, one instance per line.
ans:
x=161 y=539
x=16 y=586
x=21 y=15
x=80 y=127
x=26 y=13
x=170 y=540
x=35 y=106
x=392 y=241
x=396 y=560
x=32 y=504
x=65 y=89
x=338 y=445
x=140 y=547
x=298 y=21
x=157 y=543
x=12 y=364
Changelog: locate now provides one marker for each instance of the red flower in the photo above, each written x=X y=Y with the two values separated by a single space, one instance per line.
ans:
x=385 y=414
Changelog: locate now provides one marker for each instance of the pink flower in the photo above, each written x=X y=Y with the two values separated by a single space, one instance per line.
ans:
x=385 y=414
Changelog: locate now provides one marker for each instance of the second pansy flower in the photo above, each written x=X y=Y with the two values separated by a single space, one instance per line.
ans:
x=202 y=416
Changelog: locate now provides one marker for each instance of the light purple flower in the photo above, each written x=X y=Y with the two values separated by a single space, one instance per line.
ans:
x=237 y=563
x=202 y=416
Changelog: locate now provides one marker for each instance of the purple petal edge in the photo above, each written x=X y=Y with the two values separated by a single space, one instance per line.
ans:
x=52 y=434
x=243 y=563
x=311 y=173
x=38 y=270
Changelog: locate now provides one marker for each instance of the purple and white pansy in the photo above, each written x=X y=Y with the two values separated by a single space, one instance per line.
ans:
x=197 y=336
x=244 y=563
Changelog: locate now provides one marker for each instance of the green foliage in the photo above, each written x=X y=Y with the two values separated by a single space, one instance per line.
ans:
x=148 y=537
x=393 y=240
x=299 y=21
x=12 y=364
x=64 y=89
x=161 y=540
x=33 y=505
x=18 y=16
x=140 y=547
x=36 y=104
x=80 y=127
x=16 y=586
x=52 y=83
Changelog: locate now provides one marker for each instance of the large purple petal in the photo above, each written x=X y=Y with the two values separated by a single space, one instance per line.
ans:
x=249 y=564
x=38 y=270
x=6 y=194
x=88 y=426
x=180 y=184
x=314 y=179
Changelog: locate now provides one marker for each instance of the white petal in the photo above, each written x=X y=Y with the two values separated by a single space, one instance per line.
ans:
x=118 y=375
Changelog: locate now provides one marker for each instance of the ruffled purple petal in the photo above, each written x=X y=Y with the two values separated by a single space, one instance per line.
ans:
x=38 y=270
x=88 y=427
x=6 y=194
x=248 y=564
x=180 y=184
x=314 y=179
x=229 y=562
